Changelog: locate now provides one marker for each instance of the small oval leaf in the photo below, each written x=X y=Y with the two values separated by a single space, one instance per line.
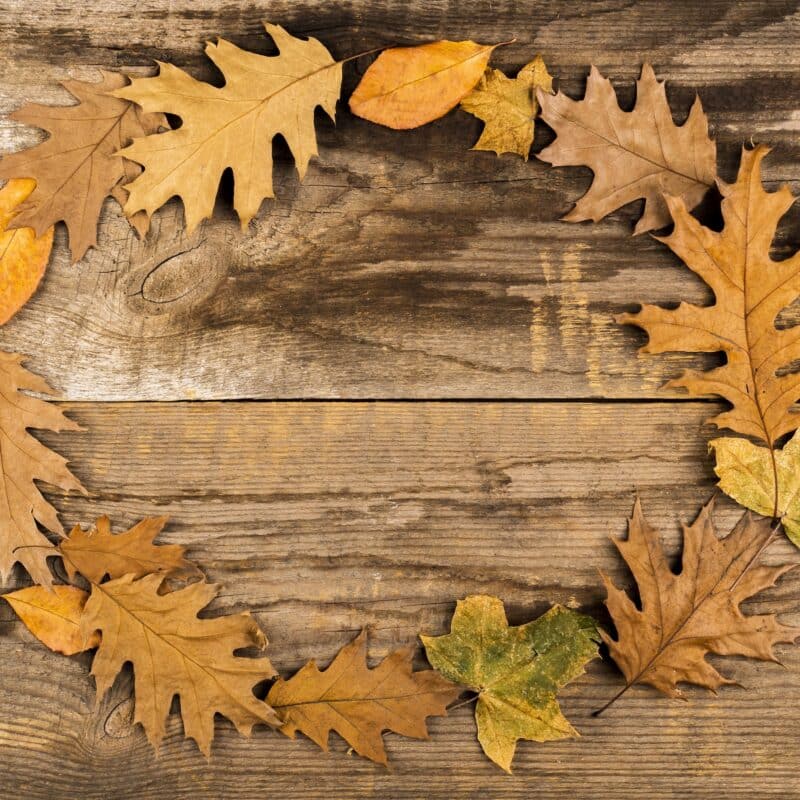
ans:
x=53 y=616
x=23 y=255
x=406 y=87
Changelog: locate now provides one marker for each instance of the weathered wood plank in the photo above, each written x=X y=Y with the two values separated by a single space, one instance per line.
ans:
x=323 y=517
x=404 y=266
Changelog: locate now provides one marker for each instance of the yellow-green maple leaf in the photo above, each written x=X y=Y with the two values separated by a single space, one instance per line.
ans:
x=516 y=671
x=748 y=474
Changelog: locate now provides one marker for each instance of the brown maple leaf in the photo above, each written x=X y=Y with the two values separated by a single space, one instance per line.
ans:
x=77 y=167
x=750 y=290
x=684 y=617
x=633 y=154
x=173 y=652
x=24 y=460
x=360 y=703
x=98 y=553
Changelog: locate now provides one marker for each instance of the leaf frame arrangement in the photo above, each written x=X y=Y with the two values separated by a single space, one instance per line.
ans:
x=132 y=600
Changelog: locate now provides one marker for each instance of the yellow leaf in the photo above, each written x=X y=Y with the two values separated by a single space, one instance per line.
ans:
x=23 y=255
x=406 y=87
x=508 y=106
x=53 y=616
x=748 y=474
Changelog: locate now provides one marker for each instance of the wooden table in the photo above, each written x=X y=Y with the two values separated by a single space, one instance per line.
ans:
x=403 y=386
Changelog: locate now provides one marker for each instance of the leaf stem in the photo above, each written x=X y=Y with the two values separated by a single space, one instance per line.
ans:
x=598 y=711
x=464 y=702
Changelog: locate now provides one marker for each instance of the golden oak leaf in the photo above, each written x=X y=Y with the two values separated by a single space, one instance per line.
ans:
x=230 y=127
x=23 y=254
x=406 y=87
x=53 y=616
x=633 y=154
x=684 y=617
x=749 y=474
x=516 y=671
x=750 y=290
x=360 y=703
x=173 y=652
x=24 y=460
x=98 y=553
x=76 y=168
x=508 y=106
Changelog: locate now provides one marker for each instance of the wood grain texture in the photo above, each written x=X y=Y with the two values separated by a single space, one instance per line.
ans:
x=323 y=517
x=404 y=265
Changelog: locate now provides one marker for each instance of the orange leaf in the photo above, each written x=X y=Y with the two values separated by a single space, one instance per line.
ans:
x=53 y=616
x=23 y=256
x=406 y=87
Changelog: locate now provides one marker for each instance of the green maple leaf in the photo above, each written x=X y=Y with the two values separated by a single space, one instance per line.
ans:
x=516 y=671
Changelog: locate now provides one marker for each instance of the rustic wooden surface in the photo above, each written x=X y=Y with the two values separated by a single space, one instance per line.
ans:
x=403 y=267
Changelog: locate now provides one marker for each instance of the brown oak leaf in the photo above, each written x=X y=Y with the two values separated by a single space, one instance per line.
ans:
x=232 y=126
x=98 y=553
x=77 y=166
x=173 y=652
x=750 y=290
x=23 y=461
x=685 y=616
x=360 y=703
x=633 y=154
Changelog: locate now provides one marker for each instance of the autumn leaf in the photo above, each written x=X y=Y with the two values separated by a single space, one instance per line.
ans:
x=53 y=615
x=516 y=671
x=98 y=553
x=360 y=703
x=750 y=290
x=25 y=460
x=76 y=168
x=508 y=106
x=633 y=154
x=749 y=474
x=23 y=255
x=683 y=617
x=406 y=87
x=230 y=127
x=173 y=652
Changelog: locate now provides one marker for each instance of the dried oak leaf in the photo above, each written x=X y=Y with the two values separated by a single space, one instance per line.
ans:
x=750 y=290
x=508 y=107
x=516 y=671
x=684 y=617
x=749 y=474
x=24 y=460
x=53 y=616
x=77 y=166
x=360 y=703
x=633 y=154
x=406 y=87
x=232 y=126
x=173 y=652
x=98 y=553
x=23 y=254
